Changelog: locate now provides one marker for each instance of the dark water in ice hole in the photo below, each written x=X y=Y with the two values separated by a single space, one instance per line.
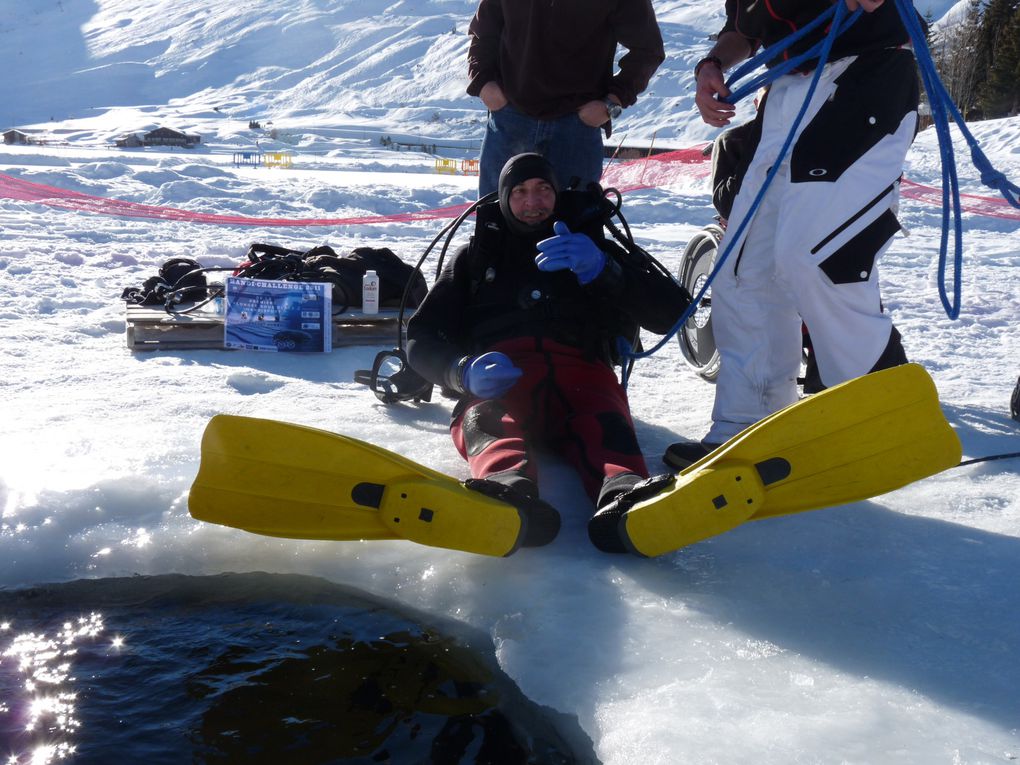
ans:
x=254 y=668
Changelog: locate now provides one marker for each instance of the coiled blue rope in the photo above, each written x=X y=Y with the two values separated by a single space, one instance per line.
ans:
x=942 y=107
x=778 y=48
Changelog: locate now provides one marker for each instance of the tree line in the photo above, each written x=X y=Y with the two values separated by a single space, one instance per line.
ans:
x=978 y=58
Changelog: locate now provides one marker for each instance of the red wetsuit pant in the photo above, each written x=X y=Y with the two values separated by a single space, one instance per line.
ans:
x=564 y=402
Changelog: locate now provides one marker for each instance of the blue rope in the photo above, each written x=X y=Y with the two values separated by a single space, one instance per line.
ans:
x=942 y=107
x=774 y=50
x=623 y=346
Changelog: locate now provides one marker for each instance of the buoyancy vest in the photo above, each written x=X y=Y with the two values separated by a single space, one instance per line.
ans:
x=510 y=297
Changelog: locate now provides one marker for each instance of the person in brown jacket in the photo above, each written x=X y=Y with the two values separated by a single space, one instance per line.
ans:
x=545 y=72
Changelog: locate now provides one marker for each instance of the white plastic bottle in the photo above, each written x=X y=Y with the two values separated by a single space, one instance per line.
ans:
x=370 y=292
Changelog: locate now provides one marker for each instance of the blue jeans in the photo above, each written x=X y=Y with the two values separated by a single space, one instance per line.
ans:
x=573 y=148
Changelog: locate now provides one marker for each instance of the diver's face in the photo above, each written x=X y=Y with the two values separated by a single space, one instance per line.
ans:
x=532 y=201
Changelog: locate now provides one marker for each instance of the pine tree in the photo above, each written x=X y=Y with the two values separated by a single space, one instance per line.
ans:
x=1016 y=69
x=1000 y=92
x=994 y=22
x=955 y=51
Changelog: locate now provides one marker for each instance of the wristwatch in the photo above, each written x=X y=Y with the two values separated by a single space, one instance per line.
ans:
x=612 y=108
x=707 y=60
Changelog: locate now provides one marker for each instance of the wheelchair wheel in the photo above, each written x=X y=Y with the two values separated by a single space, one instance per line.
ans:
x=696 y=342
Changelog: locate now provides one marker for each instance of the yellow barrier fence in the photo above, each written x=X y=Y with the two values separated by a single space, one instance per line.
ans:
x=278 y=159
x=448 y=166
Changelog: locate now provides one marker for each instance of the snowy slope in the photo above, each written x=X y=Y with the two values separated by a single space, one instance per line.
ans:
x=884 y=631
x=314 y=63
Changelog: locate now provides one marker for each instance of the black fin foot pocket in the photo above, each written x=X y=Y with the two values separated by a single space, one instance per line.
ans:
x=604 y=526
x=542 y=521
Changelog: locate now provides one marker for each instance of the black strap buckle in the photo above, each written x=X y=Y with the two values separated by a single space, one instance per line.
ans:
x=392 y=380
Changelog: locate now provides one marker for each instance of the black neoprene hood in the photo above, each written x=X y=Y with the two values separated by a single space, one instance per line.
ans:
x=517 y=170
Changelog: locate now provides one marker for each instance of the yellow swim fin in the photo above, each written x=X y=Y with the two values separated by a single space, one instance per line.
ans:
x=287 y=480
x=850 y=442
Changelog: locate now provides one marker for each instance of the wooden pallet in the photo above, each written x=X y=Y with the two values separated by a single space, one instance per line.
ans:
x=153 y=329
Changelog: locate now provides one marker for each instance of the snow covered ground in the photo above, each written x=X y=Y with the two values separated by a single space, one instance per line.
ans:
x=883 y=631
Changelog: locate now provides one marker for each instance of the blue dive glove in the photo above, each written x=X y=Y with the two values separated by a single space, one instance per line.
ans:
x=490 y=375
x=572 y=251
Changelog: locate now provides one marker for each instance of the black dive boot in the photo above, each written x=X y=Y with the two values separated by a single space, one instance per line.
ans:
x=683 y=454
x=521 y=492
x=602 y=528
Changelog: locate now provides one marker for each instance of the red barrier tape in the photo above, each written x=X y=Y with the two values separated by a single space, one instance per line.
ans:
x=661 y=169
x=658 y=169
x=655 y=171
x=971 y=203
x=26 y=191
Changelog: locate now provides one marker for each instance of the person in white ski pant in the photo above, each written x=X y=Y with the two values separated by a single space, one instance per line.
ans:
x=774 y=279
x=809 y=254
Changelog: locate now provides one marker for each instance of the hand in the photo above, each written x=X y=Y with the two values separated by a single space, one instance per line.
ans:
x=490 y=375
x=492 y=96
x=710 y=86
x=570 y=251
x=594 y=113
x=869 y=6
